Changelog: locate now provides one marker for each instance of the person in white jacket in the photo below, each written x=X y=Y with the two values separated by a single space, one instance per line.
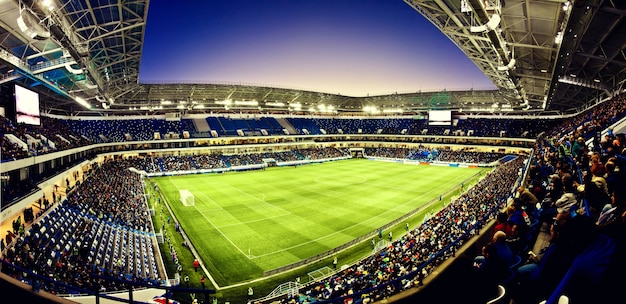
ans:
x=568 y=198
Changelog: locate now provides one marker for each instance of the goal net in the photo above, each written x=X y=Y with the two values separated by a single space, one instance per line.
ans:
x=186 y=197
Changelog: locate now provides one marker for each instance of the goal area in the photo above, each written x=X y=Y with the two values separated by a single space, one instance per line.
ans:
x=186 y=197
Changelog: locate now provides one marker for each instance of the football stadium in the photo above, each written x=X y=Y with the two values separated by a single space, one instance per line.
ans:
x=119 y=188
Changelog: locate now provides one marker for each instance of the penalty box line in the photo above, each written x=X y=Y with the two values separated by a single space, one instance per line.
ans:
x=212 y=224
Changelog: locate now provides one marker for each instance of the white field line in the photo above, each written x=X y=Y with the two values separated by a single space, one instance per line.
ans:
x=340 y=231
x=254 y=221
x=216 y=228
x=262 y=200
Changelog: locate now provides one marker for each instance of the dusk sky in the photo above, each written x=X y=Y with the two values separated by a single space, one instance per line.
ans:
x=348 y=47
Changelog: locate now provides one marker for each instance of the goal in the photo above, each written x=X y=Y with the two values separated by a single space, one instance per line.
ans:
x=186 y=197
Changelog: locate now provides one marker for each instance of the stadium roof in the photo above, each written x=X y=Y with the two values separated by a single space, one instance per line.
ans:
x=544 y=56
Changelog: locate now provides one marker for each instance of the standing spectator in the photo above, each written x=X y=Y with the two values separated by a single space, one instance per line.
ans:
x=196 y=264
x=577 y=148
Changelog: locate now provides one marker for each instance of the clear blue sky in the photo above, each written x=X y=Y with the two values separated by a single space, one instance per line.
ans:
x=350 y=47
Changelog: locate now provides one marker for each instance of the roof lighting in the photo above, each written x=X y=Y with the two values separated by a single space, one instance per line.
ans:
x=275 y=104
x=253 y=103
x=559 y=38
x=82 y=102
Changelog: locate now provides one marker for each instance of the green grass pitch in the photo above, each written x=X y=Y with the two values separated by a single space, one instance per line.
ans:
x=245 y=223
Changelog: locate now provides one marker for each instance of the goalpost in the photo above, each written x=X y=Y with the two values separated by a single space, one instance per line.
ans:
x=186 y=197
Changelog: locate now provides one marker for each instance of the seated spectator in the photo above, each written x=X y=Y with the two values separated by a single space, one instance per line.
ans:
x=502 y=224
x=595 y=191
x=492 y=269
x=565 y=203
x=502 y=250
x=540 y=276
x=520 y=226
x=586 y=276
x=527 y=199
x=554 y=190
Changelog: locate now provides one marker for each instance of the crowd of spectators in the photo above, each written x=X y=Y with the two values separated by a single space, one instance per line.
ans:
x=582 y=205
x=68 y=244
x=56 y=134
x=209 y=161
x=323 y=153
x=357 y=126
x=176 y=163
x=582 y=258
x=11 y=150
x=388 y=152
x=170 y=163
x=406 y=261
x=587 y=123
x=442 y=154
x=50 y=136
x=471 y=157
x=113 y=194
x=558 y=171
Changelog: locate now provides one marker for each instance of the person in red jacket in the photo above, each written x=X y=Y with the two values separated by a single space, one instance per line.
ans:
x=502 y=224
x=196 y=264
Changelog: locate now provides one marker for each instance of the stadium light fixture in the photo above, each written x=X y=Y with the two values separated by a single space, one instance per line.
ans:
x=295 y=106
x=252 y=103
x=371 y=109
x=326 y=108
x=394 y=110
x=275 y=104
x=566 y=6
x=48 y=4
x=559 y=38
x=81 y=101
